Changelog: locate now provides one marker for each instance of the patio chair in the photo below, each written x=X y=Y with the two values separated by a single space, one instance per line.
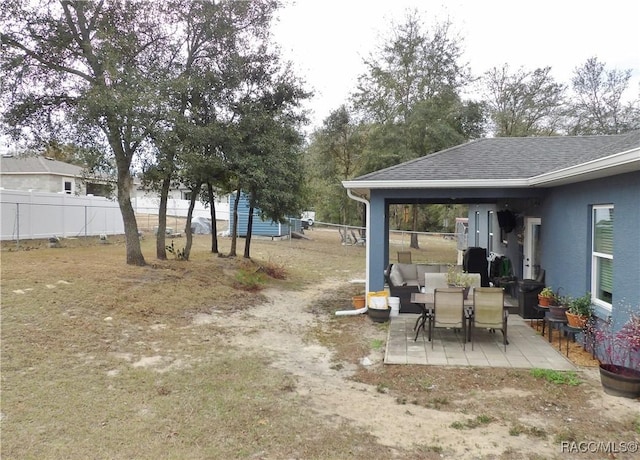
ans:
x=448 y=311
x=433 y=281
x=358 y=240
x=489 y=312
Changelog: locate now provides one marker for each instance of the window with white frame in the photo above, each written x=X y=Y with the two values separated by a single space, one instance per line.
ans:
x=602 y=255
x=68 y=186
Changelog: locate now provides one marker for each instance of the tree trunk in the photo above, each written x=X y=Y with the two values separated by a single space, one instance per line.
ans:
x=414 y=228
x=234 y=227
x=161 y=236
x=195 y=193
x=214 y=223
x=134 y=251
x=247 y=241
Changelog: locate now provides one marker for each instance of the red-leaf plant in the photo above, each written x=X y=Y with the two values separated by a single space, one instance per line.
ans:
x=618 y=349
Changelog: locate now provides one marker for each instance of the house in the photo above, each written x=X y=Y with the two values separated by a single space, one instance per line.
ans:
x=567 y=205
x=260 y=227
x=44 y=174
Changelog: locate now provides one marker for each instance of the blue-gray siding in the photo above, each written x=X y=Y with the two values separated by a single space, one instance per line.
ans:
x=260 y=227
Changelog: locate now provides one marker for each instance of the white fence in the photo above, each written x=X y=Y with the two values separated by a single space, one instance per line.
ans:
x=31 y=215
x=179 y=208
x=28 y=215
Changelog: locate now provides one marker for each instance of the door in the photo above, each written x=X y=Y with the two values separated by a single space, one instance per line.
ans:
x=531 y=247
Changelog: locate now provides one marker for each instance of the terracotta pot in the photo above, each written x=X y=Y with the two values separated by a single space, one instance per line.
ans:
x=358 y=301
x=576 y=320
x=620 y=380
x=543 y=301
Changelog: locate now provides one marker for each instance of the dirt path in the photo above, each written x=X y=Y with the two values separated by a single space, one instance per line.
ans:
x=278 y=328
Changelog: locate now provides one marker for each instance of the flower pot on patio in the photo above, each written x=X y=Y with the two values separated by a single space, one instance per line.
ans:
x=620 y=380
x=558 y=312
x=543 y=301
x=574 y=320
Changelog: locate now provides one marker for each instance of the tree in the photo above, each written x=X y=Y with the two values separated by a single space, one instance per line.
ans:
x=524 y=103
x=215 y=50
x=336 y=154
x=86 y=63
x=598 y=106
x=411 y=74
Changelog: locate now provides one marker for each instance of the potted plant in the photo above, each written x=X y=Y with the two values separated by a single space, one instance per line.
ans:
x=618 y=351
x=457 y=278
x=580 y=309
x=558 y=309
x=546 y=297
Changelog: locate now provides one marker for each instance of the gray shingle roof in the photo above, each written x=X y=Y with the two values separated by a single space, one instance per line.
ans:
x=507 y=158
x=37 y=165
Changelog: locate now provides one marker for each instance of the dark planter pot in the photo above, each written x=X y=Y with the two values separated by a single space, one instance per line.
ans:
x=557 y=312
x=379 y=315
x=620 y=380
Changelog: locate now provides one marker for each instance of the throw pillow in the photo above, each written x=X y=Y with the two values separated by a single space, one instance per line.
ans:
x=395 y=276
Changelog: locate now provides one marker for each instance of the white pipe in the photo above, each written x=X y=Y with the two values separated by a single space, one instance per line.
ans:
x=368 y=248
x=368 y=234
x=351 y=312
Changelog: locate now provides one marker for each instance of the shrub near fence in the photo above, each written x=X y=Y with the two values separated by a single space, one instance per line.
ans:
x=34 y=215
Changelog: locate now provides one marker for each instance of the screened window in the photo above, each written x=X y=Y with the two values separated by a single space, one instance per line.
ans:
x=602 y=255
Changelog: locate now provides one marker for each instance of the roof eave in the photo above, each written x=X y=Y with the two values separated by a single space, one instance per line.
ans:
x=618 y=163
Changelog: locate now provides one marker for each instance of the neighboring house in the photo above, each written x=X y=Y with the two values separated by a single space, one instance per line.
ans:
x=260 y=227
x=567 y=205
x=44 y=174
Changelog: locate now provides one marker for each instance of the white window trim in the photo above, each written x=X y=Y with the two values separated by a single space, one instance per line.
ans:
x=73 y=185
x=594 y=255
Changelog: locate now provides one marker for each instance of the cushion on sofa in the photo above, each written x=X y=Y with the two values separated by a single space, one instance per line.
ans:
x=395 y=276
x=408 y=271
x=426 y=268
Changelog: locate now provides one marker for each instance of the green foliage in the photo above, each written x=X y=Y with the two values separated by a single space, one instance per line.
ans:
x=556 y=377
x=481 y=419
x=581 y=305
x=250 y=278
x=523 y=103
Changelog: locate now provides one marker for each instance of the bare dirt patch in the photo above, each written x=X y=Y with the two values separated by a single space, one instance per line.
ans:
x=171 y=360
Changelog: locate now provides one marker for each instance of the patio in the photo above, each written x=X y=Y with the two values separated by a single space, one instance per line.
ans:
x=526 y=349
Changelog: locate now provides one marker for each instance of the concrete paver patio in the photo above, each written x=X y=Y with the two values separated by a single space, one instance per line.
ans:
x=526 y=349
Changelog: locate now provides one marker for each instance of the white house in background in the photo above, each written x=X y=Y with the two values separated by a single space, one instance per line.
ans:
x=44 y=174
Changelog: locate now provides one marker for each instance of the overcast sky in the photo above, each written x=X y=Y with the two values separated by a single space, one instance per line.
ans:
x=328 y=39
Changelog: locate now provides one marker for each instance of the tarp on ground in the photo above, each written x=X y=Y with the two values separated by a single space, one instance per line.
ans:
x=201 y=226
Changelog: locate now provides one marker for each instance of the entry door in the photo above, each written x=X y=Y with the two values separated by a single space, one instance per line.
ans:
x=531 y=263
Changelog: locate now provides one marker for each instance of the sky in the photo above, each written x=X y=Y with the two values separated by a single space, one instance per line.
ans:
x=327 y=40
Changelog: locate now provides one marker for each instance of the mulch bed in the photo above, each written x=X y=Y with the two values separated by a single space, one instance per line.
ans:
x=577 y=354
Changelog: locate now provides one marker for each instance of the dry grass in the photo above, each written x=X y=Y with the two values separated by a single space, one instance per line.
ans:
x=79 y=328
x=77 y=320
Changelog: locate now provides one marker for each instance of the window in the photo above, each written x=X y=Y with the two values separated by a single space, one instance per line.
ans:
x=602 y=255
x=490 y=231
x=68 y=187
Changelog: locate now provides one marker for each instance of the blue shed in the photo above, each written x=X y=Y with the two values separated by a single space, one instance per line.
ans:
x=260 y=227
